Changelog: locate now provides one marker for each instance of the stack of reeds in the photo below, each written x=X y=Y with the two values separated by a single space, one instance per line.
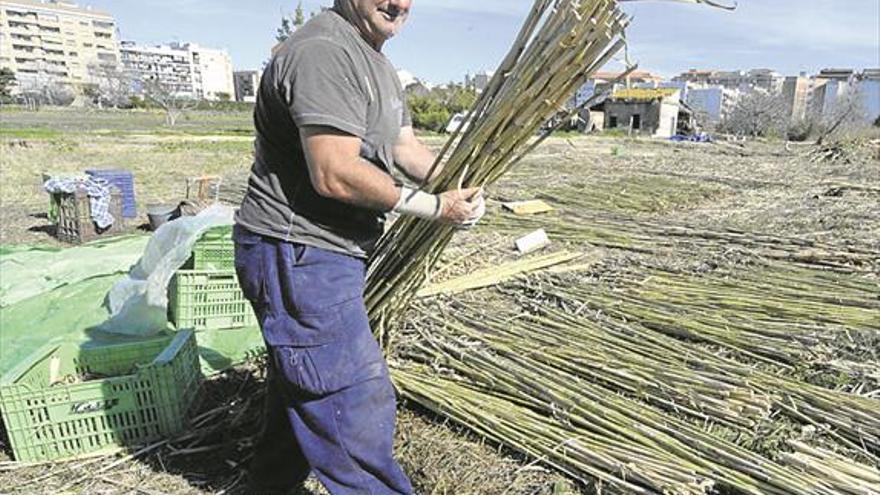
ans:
x=577 y=223
x=561 y=43
x=621 y=403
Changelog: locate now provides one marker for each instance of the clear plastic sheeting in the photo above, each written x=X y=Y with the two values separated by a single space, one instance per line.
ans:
x=138 y=303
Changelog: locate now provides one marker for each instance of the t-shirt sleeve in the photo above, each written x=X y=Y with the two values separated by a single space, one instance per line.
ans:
x=323 y=89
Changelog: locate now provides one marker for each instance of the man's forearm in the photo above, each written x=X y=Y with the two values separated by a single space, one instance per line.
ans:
x=417 y=162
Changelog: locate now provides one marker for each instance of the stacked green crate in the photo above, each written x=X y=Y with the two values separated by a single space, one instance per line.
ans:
x=214 y=250
x=208 y=296
x=69 y=399
x=209 y=299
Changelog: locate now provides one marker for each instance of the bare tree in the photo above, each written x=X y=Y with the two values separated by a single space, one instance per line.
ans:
x=168 y=97
x=847 y=114
x=110 y=86
x=704 y=120
x=43 y=89
x=758 y=113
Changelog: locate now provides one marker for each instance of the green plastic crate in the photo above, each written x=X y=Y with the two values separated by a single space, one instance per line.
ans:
x=135 y=393
x=214 y=250
x=209 y=299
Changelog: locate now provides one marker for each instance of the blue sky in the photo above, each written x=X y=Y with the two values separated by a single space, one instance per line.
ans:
x=447 y=38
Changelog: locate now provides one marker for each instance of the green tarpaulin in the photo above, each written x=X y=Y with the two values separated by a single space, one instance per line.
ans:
x=48 y=294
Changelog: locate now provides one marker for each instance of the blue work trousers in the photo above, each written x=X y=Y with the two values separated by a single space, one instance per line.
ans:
x=330 y=406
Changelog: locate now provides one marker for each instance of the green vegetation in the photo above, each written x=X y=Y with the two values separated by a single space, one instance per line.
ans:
x=290 y=23
x=211 y=119
x=7 y=80
x=432 y=110
x=29 y=133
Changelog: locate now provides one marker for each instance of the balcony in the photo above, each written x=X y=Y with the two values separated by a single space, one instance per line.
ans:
x=25 y=39
x=19 y=27
x=32 y=67
x=24 y=19
x=22 y=49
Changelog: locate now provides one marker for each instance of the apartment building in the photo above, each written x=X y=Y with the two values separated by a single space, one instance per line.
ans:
x=55 y=41
x=247 y=83
x=712 y=103
x=169 y=65
x=796 y=91
x=212 y=73
x=869 y=87
x=189 y=70
x=766 y=79
x=479 y=81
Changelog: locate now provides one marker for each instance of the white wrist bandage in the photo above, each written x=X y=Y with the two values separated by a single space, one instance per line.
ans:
x=418 y=204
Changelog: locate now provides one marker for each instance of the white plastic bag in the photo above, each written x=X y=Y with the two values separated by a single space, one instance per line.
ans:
x=139 y=302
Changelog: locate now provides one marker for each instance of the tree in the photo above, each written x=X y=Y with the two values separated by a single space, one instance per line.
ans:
x=168 y=98
x=110 y=86
x=290 y=23
x=847 y=114
x=7 y=81
x=432 y=110
x=44 y=89
x=758 y=113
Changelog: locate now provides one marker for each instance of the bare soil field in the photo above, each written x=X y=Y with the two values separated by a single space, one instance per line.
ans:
x=631 y=206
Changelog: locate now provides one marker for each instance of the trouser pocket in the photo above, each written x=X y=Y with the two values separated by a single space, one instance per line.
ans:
x=324 y=369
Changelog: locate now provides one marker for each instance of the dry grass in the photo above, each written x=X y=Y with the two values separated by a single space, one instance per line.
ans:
x=761 y=188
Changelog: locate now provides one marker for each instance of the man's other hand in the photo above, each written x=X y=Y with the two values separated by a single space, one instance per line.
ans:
x=462 y=207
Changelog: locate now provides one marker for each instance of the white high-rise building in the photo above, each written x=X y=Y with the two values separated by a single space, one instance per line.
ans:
x=712 y=102
x=186 y=69
x=212 y=73
x=56 y=41
x=164 y=64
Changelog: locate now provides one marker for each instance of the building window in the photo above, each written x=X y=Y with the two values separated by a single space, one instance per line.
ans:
x=612 y=122
x=636 y=122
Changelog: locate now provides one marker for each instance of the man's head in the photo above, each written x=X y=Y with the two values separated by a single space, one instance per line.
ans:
x=377 y=20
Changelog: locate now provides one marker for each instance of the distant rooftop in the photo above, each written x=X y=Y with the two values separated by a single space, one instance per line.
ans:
x=56 y=5
x=643 y=94
x=636 y=75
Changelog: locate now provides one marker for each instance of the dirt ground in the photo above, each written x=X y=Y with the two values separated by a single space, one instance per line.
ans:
x=761 y=187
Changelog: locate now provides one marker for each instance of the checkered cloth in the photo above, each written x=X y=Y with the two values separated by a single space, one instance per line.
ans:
x=97 y=189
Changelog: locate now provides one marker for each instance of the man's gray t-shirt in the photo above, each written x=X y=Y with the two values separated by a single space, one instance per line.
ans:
x=326 y=74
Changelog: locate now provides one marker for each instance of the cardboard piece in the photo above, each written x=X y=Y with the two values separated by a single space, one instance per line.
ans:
x=528 y=207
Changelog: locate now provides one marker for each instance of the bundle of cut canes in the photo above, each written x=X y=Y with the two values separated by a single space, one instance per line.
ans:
x=561 y=43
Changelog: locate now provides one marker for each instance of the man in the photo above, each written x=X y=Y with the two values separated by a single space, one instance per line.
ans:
x=334 y=143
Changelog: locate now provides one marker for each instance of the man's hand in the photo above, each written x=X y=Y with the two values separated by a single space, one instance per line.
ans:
x=462 y=207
